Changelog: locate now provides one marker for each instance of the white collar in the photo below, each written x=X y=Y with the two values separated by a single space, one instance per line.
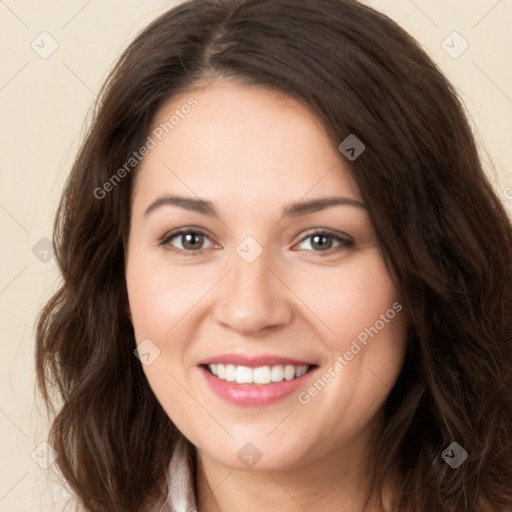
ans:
x=181 y=486
x=180 y=492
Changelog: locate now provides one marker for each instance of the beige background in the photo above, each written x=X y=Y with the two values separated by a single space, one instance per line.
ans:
x=43 y=105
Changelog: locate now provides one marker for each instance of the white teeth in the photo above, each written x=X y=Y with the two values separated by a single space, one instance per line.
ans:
x=277 y=373
x=289 y=372
x=244 y=375
x=260 y=375
x=302 y=370
x=230 y=372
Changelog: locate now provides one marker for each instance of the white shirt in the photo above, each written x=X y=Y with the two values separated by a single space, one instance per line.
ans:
x=180 y=480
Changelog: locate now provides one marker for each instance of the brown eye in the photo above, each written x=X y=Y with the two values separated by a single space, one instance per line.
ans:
x=326 y=242
x=321 y=241
x=185 y=241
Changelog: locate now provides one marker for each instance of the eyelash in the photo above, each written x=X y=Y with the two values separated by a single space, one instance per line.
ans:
x=344 y=243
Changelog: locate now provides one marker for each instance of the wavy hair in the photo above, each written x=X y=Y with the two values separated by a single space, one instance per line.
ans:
x=442 y=228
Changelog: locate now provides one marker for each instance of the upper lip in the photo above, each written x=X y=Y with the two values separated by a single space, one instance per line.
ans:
x=254 y=361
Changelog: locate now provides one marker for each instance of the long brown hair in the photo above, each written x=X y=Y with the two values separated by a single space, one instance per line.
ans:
x=442 y=229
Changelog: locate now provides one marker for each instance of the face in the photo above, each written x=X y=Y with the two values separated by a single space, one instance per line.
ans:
x=261 y=298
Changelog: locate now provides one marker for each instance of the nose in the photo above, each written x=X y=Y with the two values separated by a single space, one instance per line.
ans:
x=253 y=298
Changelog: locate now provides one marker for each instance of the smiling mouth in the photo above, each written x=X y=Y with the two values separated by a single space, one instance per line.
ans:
x=262 y=375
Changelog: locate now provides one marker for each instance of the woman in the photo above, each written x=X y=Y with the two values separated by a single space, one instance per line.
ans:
x=286 y=279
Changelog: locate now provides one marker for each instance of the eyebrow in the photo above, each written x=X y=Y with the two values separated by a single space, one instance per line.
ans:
x=292 y=210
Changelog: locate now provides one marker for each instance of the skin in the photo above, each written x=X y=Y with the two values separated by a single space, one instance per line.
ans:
x=250 y=152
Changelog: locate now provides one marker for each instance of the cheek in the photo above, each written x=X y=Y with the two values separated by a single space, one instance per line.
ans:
x=352 y=298
x=160 y=296
x=365 y=312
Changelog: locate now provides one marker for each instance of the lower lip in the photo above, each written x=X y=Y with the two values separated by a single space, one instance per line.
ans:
x=252 y=394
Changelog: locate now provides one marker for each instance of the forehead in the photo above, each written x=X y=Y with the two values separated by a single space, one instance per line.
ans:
x=241 y=141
